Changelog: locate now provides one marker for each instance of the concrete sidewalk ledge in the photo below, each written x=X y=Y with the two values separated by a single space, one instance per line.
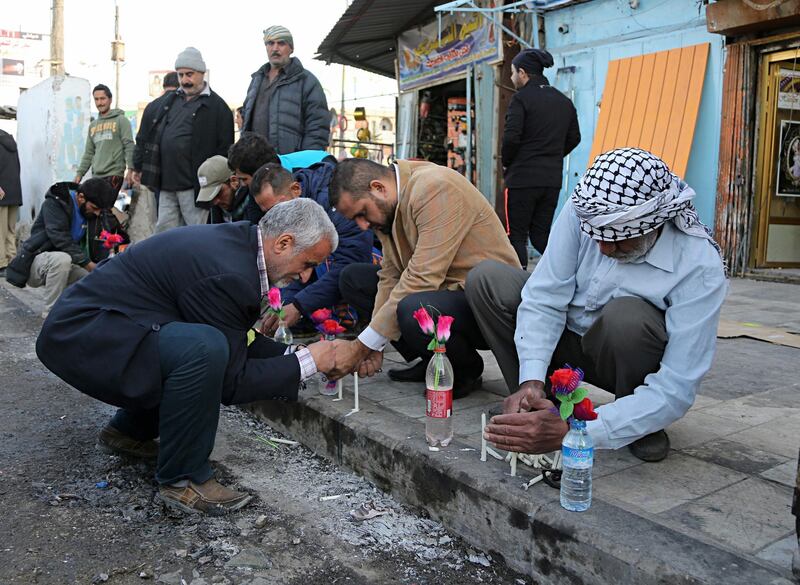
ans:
x=488 y=508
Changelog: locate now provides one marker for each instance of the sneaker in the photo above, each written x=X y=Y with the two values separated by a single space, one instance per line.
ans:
x=651 y=448
x=210 y=497
x=113 y=441
x=415 y=373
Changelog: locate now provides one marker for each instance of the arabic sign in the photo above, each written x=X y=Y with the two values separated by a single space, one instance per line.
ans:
x=467 y=38
x=789 y=90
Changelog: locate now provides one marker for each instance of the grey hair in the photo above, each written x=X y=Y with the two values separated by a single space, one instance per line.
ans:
x=305 y=219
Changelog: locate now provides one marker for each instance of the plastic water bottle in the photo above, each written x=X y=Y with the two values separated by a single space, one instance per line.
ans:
x=327 y=387
x=283 y=334
x=577 y=458
x=439 y=400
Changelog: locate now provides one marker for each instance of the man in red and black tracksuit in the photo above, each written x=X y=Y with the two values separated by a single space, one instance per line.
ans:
x=541 y=129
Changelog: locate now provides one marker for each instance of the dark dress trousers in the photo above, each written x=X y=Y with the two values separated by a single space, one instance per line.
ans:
x=102 y=335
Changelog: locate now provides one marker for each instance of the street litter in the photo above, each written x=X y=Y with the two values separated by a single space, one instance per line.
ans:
x=366 y=511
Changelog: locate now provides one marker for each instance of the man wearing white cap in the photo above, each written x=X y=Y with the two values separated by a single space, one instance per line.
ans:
x=285 y=103
x=629 y=290
x=185 y=127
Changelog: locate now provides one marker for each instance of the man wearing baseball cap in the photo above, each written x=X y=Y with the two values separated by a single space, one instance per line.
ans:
x=285 y=103
x=185 y=127
x=219 y=189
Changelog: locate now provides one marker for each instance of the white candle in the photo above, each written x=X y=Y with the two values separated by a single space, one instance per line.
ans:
x=483 y=439
x=339 y=384
x=513 y=465
x=355 y=388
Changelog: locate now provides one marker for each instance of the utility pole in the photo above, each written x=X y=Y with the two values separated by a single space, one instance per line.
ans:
x=57 y=39
x=117 y=52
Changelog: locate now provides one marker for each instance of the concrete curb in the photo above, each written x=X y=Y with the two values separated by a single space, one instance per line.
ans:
x=483 y=504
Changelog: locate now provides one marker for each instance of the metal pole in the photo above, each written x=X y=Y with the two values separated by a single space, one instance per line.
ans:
x=57 y=39
x=117 y=61
x=469 y=123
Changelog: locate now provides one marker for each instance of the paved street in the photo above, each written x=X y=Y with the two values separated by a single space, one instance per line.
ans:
x=716 y=510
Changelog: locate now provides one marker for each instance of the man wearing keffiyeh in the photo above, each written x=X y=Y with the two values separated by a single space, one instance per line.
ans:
x=629 y=289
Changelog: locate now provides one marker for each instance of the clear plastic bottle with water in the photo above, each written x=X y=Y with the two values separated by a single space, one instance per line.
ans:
x=283 y=334
x=327 y=387
x=439 y=399
x=577 y=458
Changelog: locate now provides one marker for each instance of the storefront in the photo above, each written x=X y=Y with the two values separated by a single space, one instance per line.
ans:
x=758 y=192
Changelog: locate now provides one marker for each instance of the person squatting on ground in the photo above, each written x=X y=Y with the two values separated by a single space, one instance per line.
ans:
x=179 y=131
x=541 y=128
x=273 y=184
x=10 y=198
x=169 y=319
x=629 y=290
x=285 y=103
x=219 y=188
x=434 y=226
x=109 y=143
x=64 y=245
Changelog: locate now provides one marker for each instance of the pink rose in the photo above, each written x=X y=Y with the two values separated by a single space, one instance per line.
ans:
x=321 y=315
x=274 y=299
x=443 y=324
x=424 y=319
x=330 y=327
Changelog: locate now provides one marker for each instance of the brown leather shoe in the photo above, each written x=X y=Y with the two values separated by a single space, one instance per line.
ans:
x=210 y=497
x=113 y=441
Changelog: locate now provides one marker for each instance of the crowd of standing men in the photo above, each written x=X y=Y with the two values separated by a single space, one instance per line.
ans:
x=629 y=286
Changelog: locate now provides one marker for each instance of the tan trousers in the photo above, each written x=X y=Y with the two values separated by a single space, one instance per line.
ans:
x=55 y=271
x=8 y=224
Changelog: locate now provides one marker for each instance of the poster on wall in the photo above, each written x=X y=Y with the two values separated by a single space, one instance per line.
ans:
x=789 y=90
x=789 y=160
x=466 y=39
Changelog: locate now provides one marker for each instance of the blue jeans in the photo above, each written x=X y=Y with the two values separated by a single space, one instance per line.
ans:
x=193 y=358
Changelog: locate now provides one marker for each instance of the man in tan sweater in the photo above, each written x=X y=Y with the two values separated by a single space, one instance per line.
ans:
x=434 y=227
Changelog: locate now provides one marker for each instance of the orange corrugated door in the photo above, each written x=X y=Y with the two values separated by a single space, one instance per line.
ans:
x=651 y=102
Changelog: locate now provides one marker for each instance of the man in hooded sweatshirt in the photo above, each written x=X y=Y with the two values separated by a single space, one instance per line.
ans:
x=109 y=144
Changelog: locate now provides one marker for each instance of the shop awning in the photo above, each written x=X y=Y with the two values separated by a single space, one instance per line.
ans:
x=366 y=34
x=651 y=102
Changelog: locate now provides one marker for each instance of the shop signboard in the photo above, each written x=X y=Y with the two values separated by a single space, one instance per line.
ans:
x=789 y=90
x=466 y=39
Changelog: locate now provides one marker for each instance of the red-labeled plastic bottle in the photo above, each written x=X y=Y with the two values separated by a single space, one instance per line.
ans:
x=439 y=399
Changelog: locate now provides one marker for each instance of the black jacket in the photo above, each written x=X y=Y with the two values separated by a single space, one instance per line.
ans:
x=541 y=129
x=101 y=335
x=51 y=230
x=212 y=134
x=299 y=118
x=9 y=170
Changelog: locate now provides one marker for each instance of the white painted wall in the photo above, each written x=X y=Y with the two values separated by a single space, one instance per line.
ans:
x=52 y=120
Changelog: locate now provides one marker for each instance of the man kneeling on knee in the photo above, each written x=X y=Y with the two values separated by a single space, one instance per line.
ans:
x=629 y=290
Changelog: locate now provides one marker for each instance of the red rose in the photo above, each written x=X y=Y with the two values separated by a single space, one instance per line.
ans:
x=584 y=410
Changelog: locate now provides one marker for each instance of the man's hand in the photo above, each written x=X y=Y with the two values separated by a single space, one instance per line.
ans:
x=2 y=193
x=324 y=354
x=77 y=179
x=349 y=355
x=520 y=400
x=90 y=266
x=539 y=431
x=136 y=177
x=270 y=322
x=129 y=178
x=371 y=364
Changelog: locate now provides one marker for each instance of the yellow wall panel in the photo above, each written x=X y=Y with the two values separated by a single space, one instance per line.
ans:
x=652 y=102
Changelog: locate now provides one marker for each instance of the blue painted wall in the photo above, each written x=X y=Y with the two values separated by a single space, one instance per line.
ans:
x=603 y=30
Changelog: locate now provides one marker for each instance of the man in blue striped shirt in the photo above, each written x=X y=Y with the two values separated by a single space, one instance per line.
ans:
x=629 y=290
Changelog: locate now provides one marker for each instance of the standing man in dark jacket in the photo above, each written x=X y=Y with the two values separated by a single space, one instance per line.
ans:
x=10 y=197
x=285 y=103
x=273 y=184
x=183 y=129
x=541 y=129
x=169 y=321
x=64 y=237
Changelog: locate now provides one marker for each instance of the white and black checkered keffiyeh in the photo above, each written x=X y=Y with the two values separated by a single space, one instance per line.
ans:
x=629 y=192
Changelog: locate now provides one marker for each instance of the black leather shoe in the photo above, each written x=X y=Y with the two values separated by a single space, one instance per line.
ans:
x=653 y=447
x=415 y=373
x=464 y=386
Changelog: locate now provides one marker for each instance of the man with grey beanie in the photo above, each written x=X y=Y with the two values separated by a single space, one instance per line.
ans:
x=179 y=131
x=285 y=103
